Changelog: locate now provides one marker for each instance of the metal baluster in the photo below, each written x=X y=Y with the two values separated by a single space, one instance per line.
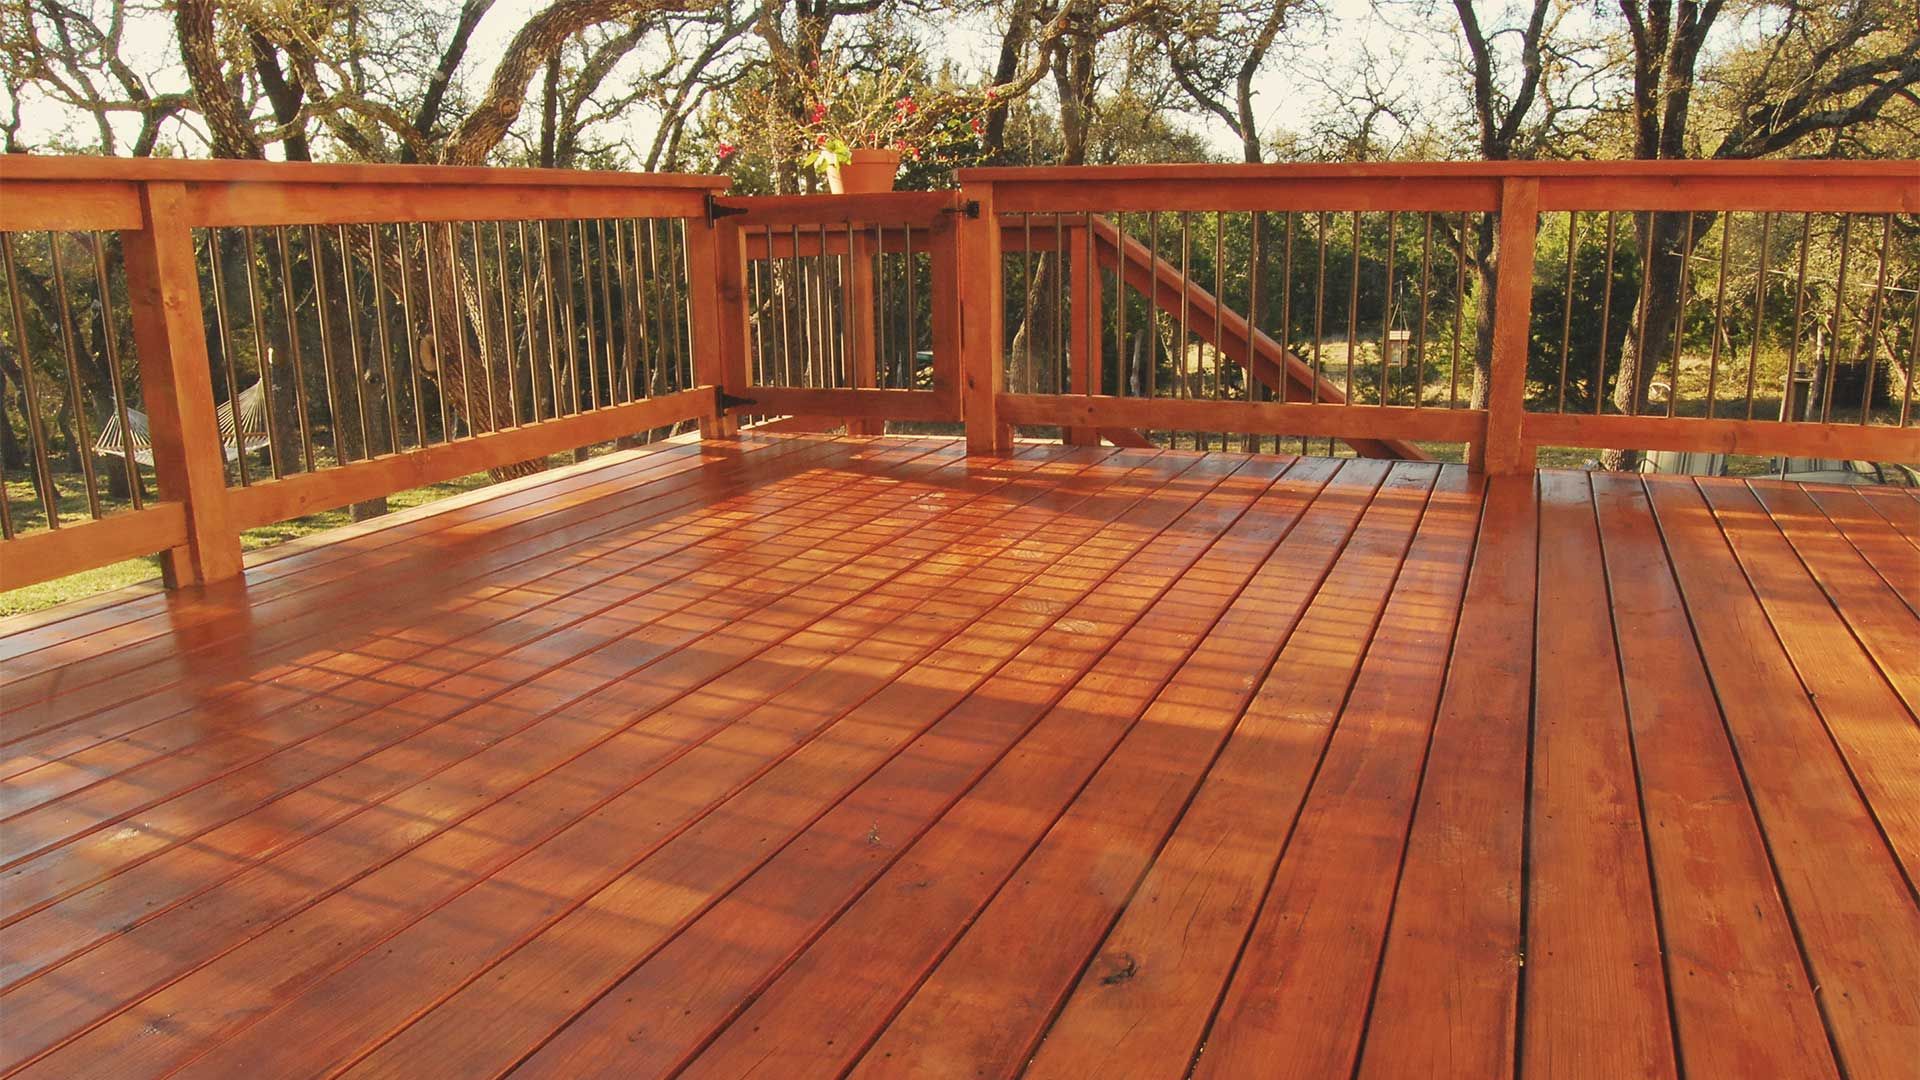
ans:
x=403 y=248
x=1680 y=321
x=1873 y=326
x=1319 y=306
x=222 y=328
x=1759 y=311
x=1799 y=311
x=316 y=259
x=1459 y=309
x=508 y=354
x=386 y=339
x=1386 y=312
x=1719 y=314
x=1640 y=374
x=1353 y=308
x=347 y=292
x=1566 y=319
x=302 y=413
x=1839 y=308
x=1599 y=388
x=1426 y=297
x=110 y=339
x=76 y=391
x=37 y=437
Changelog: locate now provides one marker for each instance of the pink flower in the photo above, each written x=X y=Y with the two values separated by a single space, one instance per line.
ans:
x=976 y=125
x=819 y=112
x=726 y=150
x=991 y=96
x=905 y=107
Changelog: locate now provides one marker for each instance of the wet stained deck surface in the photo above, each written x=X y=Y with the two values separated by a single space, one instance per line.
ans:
x=796 y=757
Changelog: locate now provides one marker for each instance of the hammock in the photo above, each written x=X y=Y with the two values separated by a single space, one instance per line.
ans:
x=252 y=434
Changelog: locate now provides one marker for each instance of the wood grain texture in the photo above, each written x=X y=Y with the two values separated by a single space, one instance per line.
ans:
x=794 y=757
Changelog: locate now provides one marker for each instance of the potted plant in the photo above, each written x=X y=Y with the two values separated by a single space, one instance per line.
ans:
x=860 y=124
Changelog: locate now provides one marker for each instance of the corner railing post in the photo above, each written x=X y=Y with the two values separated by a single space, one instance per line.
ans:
x=1084 y=338
x=176 y=379
x=1505 y=450
x=863 y=368
x=716 y=350
x=982 y=321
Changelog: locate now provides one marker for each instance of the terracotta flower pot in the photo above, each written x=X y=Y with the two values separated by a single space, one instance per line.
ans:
x=869 y=171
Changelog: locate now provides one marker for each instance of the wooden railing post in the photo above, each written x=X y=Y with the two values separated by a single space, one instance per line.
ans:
x=862 y=359
x=1084 y=339
x=736 y=333
x=176 y=378
x=1505 y=450
x=717 y=351
x=982 y=321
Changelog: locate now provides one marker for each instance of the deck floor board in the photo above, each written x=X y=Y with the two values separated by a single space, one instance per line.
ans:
x=802 y=756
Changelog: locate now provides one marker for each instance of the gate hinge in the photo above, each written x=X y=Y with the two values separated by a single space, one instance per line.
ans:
x=728 y=401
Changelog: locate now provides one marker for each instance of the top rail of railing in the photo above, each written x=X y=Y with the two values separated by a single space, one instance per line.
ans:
x=100 y=194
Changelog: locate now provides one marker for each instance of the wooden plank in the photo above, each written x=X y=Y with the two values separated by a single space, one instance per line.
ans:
x=1788 y=191
x=887 y=404
x=1249 y=417
x=1892 y=555
x=891 y=208
x=736 y=328
x=328 y=713
x=652 y=615
x=215 y=203
x=183 y=624
x=1595 y=996
x=1446 y=1002
x=69 y=205
x=1241 y=193
x=163 y=291
x=1855 y=914
x=268 y=501
x=1900 y=508
x=985 y=1004
x=1504 y=450
x=31 y=558
x=1425 y=170
x=1881 y=621
x=1755 y=437
x=806 y=881
x=851 y=977
x=775 y=649
x=227 y=170
x=1084 y=337
x=1875 y=734
x=1146 y=1001
x=972 y=560
x=981 y=324
x=1742 y=1001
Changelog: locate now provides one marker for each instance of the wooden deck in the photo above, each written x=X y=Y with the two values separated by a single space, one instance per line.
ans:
x=791 y=757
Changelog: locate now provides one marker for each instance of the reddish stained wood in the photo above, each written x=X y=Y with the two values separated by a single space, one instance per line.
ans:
x=752 y=555
x=1447 y=997
x=1885 y=627
x=1145 y=1001
x=1891 y=555
x=1595 y=996
x=823 y=1009
x=708 y=967
x=1856 y=916
x=1742 y=1003
x=1875 y=734
x=41 y=556
x=981 y=1010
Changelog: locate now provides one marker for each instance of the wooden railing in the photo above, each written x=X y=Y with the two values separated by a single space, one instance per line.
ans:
x=1203 y=301
x=248 y=342
x=211 y=346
